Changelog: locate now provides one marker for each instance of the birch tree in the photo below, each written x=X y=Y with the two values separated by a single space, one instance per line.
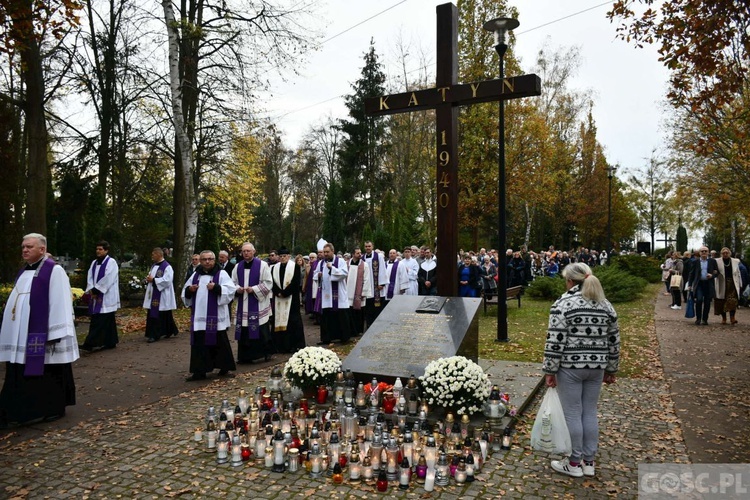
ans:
x=188 y=228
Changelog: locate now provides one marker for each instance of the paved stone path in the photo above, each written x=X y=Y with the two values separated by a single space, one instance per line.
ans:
x=137 y=443
x=706 y=368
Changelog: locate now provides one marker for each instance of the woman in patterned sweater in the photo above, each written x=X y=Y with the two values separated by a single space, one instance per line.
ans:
x=582 y=351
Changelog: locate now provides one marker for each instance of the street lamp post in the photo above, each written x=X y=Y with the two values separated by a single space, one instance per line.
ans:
x=500 y=26
x=610 y=246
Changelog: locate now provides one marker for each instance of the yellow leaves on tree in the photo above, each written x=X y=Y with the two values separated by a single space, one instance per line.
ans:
x=236 y=188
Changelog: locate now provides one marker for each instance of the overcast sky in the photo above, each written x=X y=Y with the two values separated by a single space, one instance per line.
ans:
x=628 y=84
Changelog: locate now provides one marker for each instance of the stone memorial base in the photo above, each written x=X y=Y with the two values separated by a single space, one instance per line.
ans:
x=412 y=331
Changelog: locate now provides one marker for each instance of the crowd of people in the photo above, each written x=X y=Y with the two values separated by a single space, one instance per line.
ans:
x=703 y=276
x=260 y=300
x=478 y=271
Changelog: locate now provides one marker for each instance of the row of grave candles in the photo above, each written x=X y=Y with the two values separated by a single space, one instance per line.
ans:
x=367 y=446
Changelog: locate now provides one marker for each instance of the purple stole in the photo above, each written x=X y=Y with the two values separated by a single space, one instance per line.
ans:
x=334 y=289
x=212 y=310
x=389 y=292
x=95 y=306
x=38 y=319
x=153 y=311
x=253 y=318
x=357 y=302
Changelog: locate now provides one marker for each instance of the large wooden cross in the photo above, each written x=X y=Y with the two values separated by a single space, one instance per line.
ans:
x=445 y=99
x=667 y=241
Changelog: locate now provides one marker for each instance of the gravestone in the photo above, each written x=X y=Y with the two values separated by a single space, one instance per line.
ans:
x=402 y=341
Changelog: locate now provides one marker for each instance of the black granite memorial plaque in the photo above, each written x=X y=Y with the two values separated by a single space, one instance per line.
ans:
x=402 y=341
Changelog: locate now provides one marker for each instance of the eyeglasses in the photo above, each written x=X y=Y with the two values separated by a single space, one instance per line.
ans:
x=704 y=251
x=209 y=259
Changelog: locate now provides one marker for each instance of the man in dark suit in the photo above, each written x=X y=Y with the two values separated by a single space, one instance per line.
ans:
x=225 y=263
x=194 y=265
x=701 y=281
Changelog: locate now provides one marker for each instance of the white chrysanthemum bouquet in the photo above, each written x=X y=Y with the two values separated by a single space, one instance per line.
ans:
x=311 y=367
x=456 y=383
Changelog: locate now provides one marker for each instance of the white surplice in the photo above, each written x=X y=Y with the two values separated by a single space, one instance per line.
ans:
x=165 y=284
x=401 y=278
x=326 y=277
x=376 y=259
x=412 y=271
x=15 y=328
x=201 y=300
x=263 y=291
x=109 y=285
x=352 y=279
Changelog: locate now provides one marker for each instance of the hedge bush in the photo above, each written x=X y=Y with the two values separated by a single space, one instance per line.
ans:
x=636 y=265
x=546 y=288
x=619 y=285
x=78 y=280
x=5 y=289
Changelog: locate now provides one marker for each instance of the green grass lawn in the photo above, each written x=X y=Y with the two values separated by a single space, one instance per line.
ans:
x=527 y=331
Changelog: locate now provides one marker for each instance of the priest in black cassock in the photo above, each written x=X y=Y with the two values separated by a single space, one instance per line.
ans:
x=208 y=293
x=103 y=283
x=332 y=300
x=38 y=340
x=159 y=299
x=289 y=333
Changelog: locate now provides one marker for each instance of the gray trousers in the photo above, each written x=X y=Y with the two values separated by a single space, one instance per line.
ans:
x=579 y=394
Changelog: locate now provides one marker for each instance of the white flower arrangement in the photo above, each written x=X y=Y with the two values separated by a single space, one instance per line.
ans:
x=135 y=283
x=457 y=383
x=311 y=367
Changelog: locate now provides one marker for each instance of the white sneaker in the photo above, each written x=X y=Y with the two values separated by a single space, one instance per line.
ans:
x=588 y=470
x=563 y=467
x=676 y=307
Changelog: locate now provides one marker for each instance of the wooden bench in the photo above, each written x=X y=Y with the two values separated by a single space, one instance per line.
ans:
x=511 y=293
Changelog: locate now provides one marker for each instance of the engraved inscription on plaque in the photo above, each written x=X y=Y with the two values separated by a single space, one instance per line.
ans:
x=396 y=346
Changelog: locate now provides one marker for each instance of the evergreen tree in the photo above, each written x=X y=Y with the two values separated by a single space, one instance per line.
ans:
x=96 y=217
x=360 y=158
x=208 y=230
x=70 y=208
x=682 y=238
x=333 y=225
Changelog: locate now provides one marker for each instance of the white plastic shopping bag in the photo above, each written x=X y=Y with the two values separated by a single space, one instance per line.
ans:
x=550 y=432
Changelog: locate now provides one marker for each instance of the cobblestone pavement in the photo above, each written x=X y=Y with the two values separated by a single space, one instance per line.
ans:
x=147 y=451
